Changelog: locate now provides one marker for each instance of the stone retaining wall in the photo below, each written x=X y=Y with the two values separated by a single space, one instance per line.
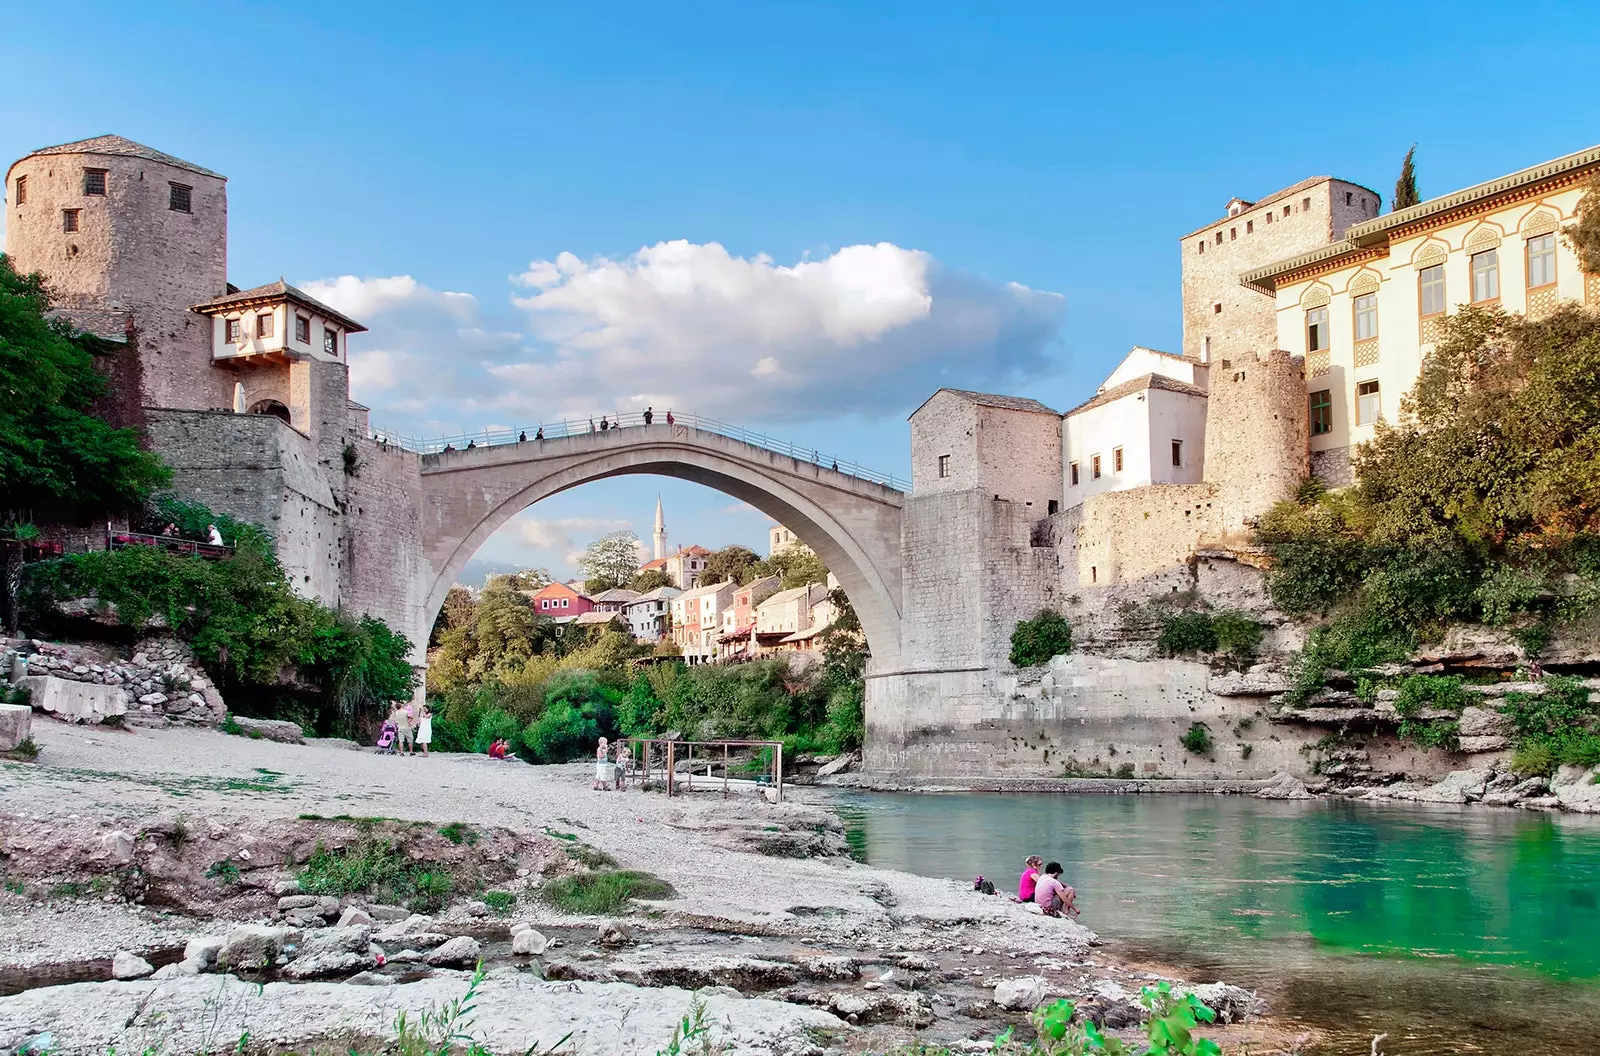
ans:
x=160 y=682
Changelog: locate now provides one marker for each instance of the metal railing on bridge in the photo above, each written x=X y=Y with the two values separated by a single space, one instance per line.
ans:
x=632 y=420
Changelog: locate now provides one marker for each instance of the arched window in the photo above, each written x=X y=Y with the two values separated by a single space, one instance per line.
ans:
x=272 y=407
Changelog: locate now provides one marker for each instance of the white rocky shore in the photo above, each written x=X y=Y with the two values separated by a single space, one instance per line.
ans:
x=158 y=861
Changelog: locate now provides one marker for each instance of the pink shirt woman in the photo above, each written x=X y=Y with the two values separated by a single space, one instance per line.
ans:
x=1030 y=877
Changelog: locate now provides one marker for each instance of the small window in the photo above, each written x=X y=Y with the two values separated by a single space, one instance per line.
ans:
x=1094 y=467
x=1541 y=261
x=1072 y=473
x=232 y=329
x=1216 y=307
x=1368 y=407
x=22 y=189
x=1321 y=412
x=1116 y=460
x=1177 y=452
x=1054 y=508
x=69 y=219
x=1249 y=226
x=1202 y=245
x=1366 y=307
x=1305 y=205
x=264 y=324
x=94 y=182
x=178 y=197
x=302 y=329
x=1286 y=210
x=1349 y=198
x=1486 y=275
x=944 y=466
x=330 y=341
x=1269 y=218
x=564 y=602
x=1316 y=329
x=1430 y=283
x=1233 y=234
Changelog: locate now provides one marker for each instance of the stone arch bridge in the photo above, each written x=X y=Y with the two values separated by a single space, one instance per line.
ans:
x=850 y=519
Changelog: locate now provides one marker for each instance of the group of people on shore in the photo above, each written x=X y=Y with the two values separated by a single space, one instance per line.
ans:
x=611 y=765
x=413 y=727
x=1041 y=885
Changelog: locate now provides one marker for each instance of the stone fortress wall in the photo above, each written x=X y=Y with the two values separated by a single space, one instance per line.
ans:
x=139 y=258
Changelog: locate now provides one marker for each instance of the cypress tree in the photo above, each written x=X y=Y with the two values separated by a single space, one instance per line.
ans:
x=1405 y=188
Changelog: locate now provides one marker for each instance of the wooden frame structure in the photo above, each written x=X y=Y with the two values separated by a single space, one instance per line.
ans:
x=675 y=750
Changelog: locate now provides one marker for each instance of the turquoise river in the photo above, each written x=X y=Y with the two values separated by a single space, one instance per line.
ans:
x=1452 y=929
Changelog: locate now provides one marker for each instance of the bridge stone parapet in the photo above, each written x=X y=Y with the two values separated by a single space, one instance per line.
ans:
x=853 y=524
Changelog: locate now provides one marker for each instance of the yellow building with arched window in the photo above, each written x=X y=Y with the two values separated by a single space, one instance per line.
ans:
x=1366 y=309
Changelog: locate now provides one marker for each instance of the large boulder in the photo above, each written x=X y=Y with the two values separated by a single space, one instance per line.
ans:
x=460 y=952
x=253 y=947
x=127 y=965
x=72 y=701
x=16 y=725
x=1458 y=786
x=1284 y=786
x=1574 y=787
x=203 y=950
x=280 y=730
x=528 y=943
x=1022 y=994
x=333 y=951
x=1232 y=1004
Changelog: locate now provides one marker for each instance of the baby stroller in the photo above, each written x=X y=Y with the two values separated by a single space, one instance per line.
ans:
x=387 y=738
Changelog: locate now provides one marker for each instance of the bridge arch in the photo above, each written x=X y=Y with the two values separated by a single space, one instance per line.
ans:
x=853 y=524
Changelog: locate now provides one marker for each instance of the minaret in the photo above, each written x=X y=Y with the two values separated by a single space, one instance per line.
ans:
x=660 y=536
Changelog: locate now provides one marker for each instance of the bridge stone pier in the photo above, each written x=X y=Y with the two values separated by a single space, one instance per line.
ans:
x=854 y=525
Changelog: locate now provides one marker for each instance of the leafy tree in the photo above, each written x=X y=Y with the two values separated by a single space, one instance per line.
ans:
x=648 y=580
x=58 y=461
x=529 y=579
x=1584 y=235
x=455 y=612
x=733 y=562
x=795 y=566
x=610 y=561
x=1405 y=188
x=501 y=635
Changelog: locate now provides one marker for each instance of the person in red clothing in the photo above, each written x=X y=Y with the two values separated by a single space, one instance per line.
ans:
x=1030 y=877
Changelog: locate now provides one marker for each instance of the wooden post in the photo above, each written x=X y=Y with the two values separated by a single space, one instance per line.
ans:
x=671 y=765
x=778 y=755
x=724 y=771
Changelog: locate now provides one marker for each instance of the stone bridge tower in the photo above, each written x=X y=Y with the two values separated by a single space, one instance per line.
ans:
x=1257 y=440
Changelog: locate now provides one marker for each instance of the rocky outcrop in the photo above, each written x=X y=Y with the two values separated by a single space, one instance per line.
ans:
x=1575 y=789
x=280 y=730
x=161 y=682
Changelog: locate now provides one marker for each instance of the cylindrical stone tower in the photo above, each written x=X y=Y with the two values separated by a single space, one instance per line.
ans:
x=1257 y=434
x=129 y=238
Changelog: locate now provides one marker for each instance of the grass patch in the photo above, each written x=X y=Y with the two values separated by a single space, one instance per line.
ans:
x=27 y=750
x=374 y=866
x=600 y=893
x=1196 y=739
x=559 y=835
x=500 y=901
x=592 y=857
x=459 y=832
x=223 y=872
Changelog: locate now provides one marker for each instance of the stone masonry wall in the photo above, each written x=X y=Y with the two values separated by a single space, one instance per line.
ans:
x=1247 y=320
x=161 y=683
x=1019 y=457
x=381 y=556
x=1257 y=434
x=1125 y=536
x=132 y=259
x=946 y=425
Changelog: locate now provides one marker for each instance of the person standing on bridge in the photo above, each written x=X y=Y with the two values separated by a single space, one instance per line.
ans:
x=669 y=415
x=539 y=435
x=649 y=415
x=604 y=425
x=522 y=437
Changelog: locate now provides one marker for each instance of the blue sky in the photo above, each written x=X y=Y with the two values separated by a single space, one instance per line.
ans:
x=1016 y=176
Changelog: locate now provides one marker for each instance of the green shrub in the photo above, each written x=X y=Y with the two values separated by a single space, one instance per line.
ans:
x=27 y=750
x=1196 y=739
x=373 y=866
x=1037 y=640
x=1437 y=692
x=1560 y=726
x=602 y=893
x=499 y=901
x=1223 y=632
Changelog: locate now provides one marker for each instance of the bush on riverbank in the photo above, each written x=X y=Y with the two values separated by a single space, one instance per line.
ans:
x=1482 y=504
x=271 y=652
x=1225 y=633
x=1558 y=727
x=375 y=867
x=603 y=892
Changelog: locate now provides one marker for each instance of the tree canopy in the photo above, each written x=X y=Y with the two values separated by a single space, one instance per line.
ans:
x=648 y=580
x=795 y=566
x=1584 y=235
x=733 y=562
x=610 y=561
x=54 y=451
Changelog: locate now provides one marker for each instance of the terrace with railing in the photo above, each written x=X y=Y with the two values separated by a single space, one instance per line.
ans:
x=607 y=423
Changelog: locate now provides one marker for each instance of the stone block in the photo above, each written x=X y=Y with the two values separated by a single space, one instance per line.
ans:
x=280 y=730
x=16 y=725
x=75 y=701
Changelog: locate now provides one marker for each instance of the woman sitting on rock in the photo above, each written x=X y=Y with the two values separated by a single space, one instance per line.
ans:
x=1030 y=877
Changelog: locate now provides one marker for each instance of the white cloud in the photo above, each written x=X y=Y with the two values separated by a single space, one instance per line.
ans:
x=562 y=534
x=868 y=329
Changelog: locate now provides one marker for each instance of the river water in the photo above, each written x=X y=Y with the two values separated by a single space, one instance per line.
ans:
x=1452 y=929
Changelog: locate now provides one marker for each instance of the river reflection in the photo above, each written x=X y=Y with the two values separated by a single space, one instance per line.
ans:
x=1430 y=919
